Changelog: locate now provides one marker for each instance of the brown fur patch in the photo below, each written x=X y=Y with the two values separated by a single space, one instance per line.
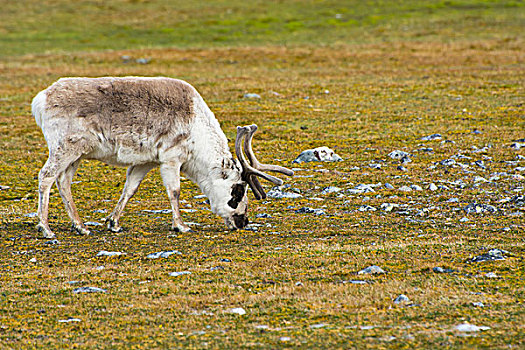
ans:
x=128 y=109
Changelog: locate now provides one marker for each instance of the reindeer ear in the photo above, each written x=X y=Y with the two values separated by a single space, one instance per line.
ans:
x=238 y=192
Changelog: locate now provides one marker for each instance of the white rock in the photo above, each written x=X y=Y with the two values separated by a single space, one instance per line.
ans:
x=70 y=320
x=179 y=273
x=371 y=270
x=467 y=327
x=405 y=189
x=89 y=290
x=398 y=155
x=319 y=154
x=162 y=254
x=106 y=253
x=401 y=299
x=432 y=187
x=237 y=311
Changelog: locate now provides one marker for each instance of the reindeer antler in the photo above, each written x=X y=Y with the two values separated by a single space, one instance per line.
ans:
x=254 y=168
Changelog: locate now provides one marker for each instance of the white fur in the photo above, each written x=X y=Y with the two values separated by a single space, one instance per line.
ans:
x=203 y=156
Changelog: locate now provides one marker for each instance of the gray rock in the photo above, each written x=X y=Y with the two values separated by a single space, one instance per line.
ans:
x=517 y=145
x=467 y=327
x=371 y=270
x=389 y=186
x=330 y=189
x=402 y=168
x=416 y=187
x=92 y=223
x=398 y=155
x=308 y=210
x=361 y=188
x=432 y=137
x=179 y=273
x=518 y=200
x=479 y=208
x=432 y=187
x=401 y=299
x=89 y=290
x=366 y=208
x=163 y=254
x=277 y=193
x=439 y=269
x=252 y=95
x=159 y=211
x=448 y=162
x=478 y=304
x=319 y=154
x=71 y=319
x=491 y=255
x=405 y=188
x=110 y=254
x=263 y=216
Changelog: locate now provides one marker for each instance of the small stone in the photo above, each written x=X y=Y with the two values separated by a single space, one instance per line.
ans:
x=179 y=273
x=263 y=216
x=277 y=193
x=361 y=188
x=478 y=208
x=285 y=339
x=371 y=270
x=491 y=255
x=402 y=168
x=163 y=254
x=318 y=325
x=432 y=187
x=491 y=275
x=438 y=269
x=464 y=219
x=389 y=186
x=299 y=284
x=405 y=189
x=32 y=260
x=319 y=154
x=478 y=304
x=366 y=208
x=398 y=155
x=388 y=207
x=92 y=223
x=110 y=254
x=467 y=327
x=416 y=187
x=330 y=189
x=432 y=137
x=70 y=320
x=89 y=290
x=252 y=95
x=31 y=215
x=143 y=60
x=237 y=311
x=448 y=162
x=308 y=210
x=401 y=299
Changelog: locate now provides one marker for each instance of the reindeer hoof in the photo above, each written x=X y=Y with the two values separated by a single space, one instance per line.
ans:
x=81 y=230
x=113 y=226
x=45 y=231
x=181 y=229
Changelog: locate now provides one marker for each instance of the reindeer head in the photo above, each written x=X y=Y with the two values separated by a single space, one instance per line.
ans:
x=235 y=208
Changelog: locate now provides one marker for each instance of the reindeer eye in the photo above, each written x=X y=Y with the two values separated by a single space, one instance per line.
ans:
x=238 y=192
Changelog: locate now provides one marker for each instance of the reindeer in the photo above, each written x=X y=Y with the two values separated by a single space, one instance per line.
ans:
x=143 y=123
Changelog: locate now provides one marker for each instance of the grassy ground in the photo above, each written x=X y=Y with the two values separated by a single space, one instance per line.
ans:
x=291 y=275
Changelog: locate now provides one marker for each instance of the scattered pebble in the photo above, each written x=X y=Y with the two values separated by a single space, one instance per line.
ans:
x=319 y=154
x=308 y=210
x=491 y=255
x=89 y=290
x=330 y=189
x=179 y=273
x=478 y=304
x=70 y=320
x=252 y=95
x=277 y=193
x=491 y=275
x=467 y=327
x=479 y=208
x=163 y=254
x=432 y=137
x=237 y=311
x=92 y=223
x=398 y=155
x=401 y=299
x=371 y=270
x=318 y=325
x=110 y=254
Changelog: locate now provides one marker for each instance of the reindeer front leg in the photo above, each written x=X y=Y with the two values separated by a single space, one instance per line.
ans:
x=170 y=173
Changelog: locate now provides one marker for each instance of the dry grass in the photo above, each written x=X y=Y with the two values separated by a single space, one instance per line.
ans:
x=381 y=97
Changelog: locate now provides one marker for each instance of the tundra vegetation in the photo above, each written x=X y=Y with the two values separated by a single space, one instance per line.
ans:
x=443 y=223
